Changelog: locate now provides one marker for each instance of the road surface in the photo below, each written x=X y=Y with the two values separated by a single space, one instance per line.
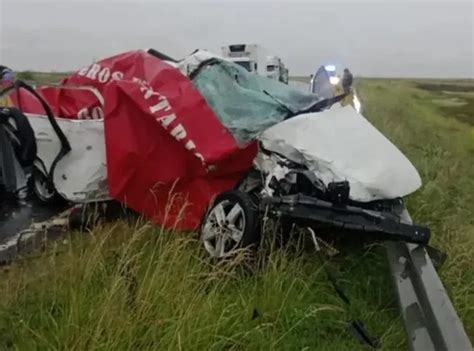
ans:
x=299 y=85
x=17 y=215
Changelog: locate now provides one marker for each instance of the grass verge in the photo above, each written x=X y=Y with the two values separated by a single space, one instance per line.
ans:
x=133 y=286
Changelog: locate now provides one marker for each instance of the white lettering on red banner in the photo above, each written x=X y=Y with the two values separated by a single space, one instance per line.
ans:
x=94 y=113
x=164 y=115
x=159 y=104
x=99 y=73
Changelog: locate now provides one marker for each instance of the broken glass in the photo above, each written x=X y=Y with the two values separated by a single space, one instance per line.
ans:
x=247 y=103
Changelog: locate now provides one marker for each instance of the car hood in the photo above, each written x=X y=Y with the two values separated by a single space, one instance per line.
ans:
x=339 y=144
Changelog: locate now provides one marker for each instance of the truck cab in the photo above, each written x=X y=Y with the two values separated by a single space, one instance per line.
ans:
x=276 y=69
x=273 y=67
x=249 y=56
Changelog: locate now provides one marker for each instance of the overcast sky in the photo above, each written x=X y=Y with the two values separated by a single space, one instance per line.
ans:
x=374 y=38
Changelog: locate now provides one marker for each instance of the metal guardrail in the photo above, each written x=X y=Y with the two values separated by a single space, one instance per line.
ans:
x=431 y=322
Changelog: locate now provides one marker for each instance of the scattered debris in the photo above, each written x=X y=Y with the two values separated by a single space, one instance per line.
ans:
x=33 y=238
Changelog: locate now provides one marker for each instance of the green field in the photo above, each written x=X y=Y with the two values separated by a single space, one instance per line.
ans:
x=42 y=78
x=132 y=286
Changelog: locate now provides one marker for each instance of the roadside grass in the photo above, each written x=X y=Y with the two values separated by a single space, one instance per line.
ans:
x=442 y=149
x=42 y=77
x=134 y=286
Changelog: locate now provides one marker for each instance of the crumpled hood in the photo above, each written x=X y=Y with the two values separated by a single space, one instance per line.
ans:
x=340 y=144
x=191 y=62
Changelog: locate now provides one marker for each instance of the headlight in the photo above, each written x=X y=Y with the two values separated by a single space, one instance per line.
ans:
x=334 y=80
x=330 y=68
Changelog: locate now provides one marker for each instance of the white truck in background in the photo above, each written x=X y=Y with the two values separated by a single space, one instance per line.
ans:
x=254 y=58
x=250 y=56
x=276 y=69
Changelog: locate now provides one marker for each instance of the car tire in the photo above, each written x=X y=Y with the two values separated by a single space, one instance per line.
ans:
x=231 y=223
x=42 y=189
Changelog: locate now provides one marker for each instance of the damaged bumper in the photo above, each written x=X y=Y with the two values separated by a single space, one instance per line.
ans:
x=311 y=211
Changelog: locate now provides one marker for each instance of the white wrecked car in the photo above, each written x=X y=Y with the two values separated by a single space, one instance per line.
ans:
x=319 y=164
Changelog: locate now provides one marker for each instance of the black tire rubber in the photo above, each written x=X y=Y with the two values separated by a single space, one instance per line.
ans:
x=251 y=234
x=53 y=200
x=85 y=216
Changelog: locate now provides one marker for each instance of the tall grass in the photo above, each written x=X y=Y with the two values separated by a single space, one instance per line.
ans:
x=133 y=286
x=442 y=149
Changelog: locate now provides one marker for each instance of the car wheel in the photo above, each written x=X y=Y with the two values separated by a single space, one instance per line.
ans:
x=43 y=189
x=231 y=223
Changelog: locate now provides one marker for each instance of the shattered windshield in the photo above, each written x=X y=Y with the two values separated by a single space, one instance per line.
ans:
x=247 y=103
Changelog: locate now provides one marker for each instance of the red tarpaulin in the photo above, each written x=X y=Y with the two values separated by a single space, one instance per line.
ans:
x=165 y=147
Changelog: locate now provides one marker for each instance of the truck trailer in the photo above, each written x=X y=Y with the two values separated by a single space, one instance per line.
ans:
x=250 y=56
